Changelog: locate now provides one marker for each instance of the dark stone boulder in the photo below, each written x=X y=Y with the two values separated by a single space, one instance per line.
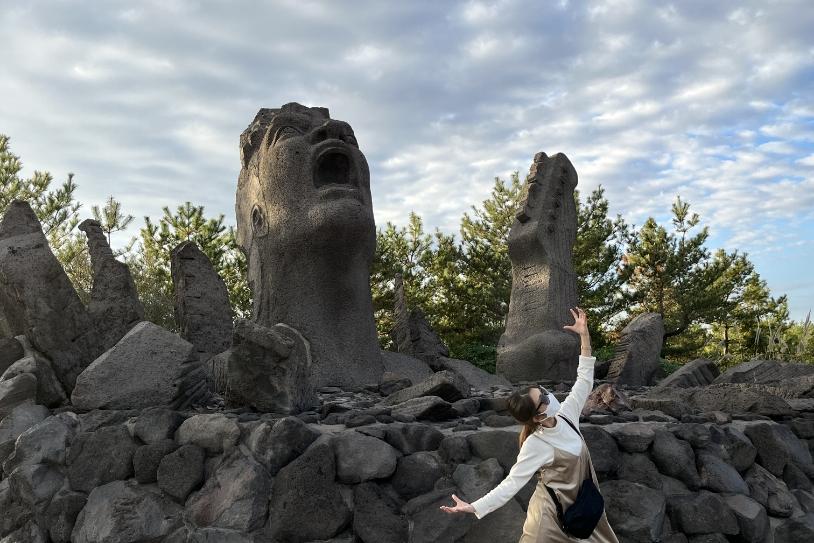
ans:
x=604 y=451
x=635 y=511
x=181 y=471
x=124 y=511
x=100 y=457
x=702 y=513
x=275 y=445
x=308 y=484
x=234 y=497
x=636 y=360
x=114 y=306
x=416 y=474
x=699 y=372
x=675 y=457
x=376 y=516
x=147 y=458
x=201 y=301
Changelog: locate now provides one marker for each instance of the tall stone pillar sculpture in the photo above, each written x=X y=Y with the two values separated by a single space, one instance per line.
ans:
x=114 y=303
x=534 y=345
x=37 y=298
x=305 y=222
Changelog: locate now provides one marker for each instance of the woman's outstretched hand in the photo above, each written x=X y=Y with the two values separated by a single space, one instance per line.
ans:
x=580 y=325
x=459 y=507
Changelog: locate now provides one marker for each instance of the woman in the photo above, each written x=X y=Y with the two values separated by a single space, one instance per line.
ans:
x=549 y=445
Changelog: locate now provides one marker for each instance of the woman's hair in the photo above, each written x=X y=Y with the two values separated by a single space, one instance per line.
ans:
x=521 y=407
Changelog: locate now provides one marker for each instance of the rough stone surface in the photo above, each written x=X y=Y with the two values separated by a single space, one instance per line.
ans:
x=181 y=471
x=411 y=332
x=764 y=371
x=235 y=497
x=361 y=458
x=269 y=368
x=214 y=432
x=10 y=352
x=475 y=481
x=121 y=512
x=157 y=424
x=405 y=366
x=18 y=390
x=144 y=369
x=414 y=437
x=147 y=458
x=606 y=397
x=675 y=457
x=307 y=484
x=305 y=221
x=753 y=523
x=376 y=517
x=769 y=491
x=208 y=535
x=727 y=397
x=699 y=372
x=114 y=306
x=46 y=442
x=100 y=457
x=702 y=513
x=472 y=374
x=61 y=514
x=275 y=445
x=534 y=345
x=201 y=302
x=427 y=521
x=36 y=484
x=604 y=451
x=49 y=390
x=636 y=357
x=776 y=446
x=718 y=476
x=38 y=299
x=416 y=473
x=20 y=419
x=499 y=444
x=794 y=530
x=636 y=512
x=445 y=384
x=638 y=468
x=425 y=408
x=632 y=436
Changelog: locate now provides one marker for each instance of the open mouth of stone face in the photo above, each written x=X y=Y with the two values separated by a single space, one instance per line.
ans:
x=333 y=168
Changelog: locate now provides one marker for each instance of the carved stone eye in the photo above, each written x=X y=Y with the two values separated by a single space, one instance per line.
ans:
x=259 y=227
x=285 y=132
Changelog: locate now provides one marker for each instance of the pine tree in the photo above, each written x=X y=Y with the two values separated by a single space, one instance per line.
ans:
x=598 y=253
x=111 y=217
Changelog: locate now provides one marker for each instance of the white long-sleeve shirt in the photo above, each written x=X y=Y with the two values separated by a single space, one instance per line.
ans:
x=538 y=449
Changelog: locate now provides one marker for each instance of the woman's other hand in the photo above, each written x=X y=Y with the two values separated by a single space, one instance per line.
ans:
x=459 y=507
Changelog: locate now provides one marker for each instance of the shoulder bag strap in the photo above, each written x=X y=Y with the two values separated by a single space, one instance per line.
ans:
x=590 y=461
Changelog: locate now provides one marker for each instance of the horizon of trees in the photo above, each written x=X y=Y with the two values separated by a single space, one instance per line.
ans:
x=714 y=303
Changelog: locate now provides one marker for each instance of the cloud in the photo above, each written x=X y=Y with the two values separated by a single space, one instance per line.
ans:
x=147 y=101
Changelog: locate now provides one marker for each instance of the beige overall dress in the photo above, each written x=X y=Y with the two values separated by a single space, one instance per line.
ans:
x=564 y=476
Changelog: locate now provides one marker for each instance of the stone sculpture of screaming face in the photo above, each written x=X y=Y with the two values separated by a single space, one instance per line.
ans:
x=304 y=186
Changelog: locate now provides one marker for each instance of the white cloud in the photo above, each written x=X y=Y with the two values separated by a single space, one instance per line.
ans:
x=148 y=102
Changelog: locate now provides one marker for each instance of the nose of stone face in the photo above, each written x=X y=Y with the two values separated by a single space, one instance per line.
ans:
x=331 y=129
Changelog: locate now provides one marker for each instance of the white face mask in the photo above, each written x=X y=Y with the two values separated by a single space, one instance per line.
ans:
x=553 y=406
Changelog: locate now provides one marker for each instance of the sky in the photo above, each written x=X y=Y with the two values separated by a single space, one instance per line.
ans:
x=712 y=101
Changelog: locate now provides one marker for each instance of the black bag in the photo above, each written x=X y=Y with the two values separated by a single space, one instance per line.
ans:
x=580 y=519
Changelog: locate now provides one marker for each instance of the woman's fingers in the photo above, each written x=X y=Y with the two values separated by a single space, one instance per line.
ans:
x=573 y=313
